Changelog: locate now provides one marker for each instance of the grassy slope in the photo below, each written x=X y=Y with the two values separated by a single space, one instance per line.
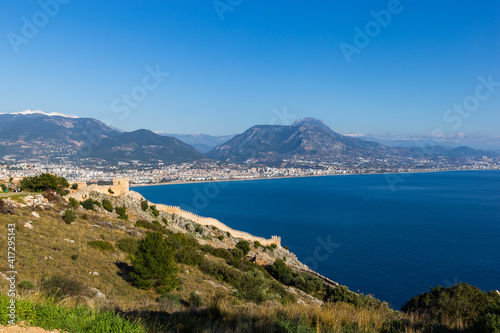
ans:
x=43 y=251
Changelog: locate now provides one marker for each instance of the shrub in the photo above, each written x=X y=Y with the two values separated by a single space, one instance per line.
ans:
x=151 y=226
x=106 y=204
x=59 y=287
x=220 y=237
x=122 y=213
x=488 y=322
x=73 y=203
x=110 y=191
x=155 y=211
x=164 y=220
x=303 y=281
x=127 y=245
x=144 y=205
x=462 y=302
x=169 y=298
x=255 y=287
x=3 y=187
x=52 y=195
x=196 y=299
x=44 y=182
x=273 y=246
x=6 y=207
x=101 y=245
x=153 y=264
x=74 y=186
x=74 y=256
x=257 y=244
x=26 y=285
x=88 y=204
x=243 y=246
x=69 y=216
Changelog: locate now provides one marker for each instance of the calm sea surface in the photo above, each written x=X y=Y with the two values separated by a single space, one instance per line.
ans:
x=394 y=242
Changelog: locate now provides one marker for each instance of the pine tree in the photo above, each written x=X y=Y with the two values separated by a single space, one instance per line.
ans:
x=153 y=264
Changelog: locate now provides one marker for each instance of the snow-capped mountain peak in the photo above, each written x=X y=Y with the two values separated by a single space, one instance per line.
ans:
x=52 y=114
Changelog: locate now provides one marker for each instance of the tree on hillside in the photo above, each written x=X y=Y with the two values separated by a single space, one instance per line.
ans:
x=153 y=264
x=44 y=182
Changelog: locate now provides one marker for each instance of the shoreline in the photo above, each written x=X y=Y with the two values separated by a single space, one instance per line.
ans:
x=306 y=176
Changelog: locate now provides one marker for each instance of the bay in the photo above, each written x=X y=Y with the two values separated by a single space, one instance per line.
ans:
x=393 y=236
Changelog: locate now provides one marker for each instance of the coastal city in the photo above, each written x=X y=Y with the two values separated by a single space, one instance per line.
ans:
x=142 y=173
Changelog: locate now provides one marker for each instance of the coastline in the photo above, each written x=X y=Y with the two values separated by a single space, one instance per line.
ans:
x=306 y=176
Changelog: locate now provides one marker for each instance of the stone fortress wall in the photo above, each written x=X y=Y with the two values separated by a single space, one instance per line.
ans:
x=216 y=223
x=120 y=187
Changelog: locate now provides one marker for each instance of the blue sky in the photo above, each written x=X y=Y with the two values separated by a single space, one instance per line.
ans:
x=225 y=75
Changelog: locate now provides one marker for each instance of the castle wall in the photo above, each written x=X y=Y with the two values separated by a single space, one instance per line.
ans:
x=216 y=223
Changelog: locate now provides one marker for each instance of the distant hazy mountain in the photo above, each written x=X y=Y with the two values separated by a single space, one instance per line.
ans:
x=38 y=135
x=203 y=142
x=308 y=138
x=144 y=145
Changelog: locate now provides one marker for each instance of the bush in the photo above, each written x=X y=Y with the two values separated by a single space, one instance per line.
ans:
x=59 y=287
x=196 y=299
x=53 y=196
x=257 y=244
x=106 y=204
x=88 y=204
x=26 y=285
x=122 y=213
x=69 y=216
x=73 y=203
x=153 y=264
x=74 y=186
x=144 y=205
x=151 y=226
x=273 y=246
x=44 y=182
x=74 y=256
x=462 y=302
x=155 y=211
x=255 y=287
x=127 y=245
x=6 y=207
x=303 y=281
x=243 y=246
x=101 y=245
x=220 y=237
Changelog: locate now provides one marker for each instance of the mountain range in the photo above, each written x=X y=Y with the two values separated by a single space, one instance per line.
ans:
x=38 y=135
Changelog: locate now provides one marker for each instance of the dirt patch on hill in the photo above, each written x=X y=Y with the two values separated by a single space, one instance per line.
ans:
x=23 y=329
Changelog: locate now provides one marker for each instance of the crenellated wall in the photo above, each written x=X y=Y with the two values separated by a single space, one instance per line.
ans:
x=216 y=223
x=120 y=187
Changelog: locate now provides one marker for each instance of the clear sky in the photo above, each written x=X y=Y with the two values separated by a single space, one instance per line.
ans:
x=230 y=63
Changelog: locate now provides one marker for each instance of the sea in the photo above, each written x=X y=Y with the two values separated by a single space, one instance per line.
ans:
x=390 y=235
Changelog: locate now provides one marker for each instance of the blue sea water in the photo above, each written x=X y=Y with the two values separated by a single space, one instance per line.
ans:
x=393 y=241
